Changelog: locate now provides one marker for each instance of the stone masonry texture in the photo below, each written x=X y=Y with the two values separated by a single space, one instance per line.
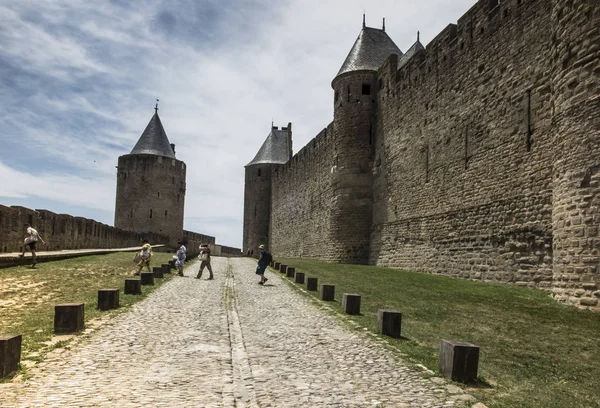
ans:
x=477 y=159
x=228 y=342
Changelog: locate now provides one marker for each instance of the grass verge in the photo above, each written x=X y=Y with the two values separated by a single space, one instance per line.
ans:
x=534 y=352
x=28 y=296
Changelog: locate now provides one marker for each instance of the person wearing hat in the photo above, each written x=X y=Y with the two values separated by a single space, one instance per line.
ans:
x=144 y=257
x=205 y=262
x=263 y=261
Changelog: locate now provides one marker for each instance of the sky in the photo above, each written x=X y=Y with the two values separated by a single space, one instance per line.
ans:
x=79 y=81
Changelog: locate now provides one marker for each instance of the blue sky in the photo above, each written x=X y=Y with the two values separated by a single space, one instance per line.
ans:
x=79 y=79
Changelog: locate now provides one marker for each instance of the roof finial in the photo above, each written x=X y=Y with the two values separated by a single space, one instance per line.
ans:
x=156 y=107
x=364 y=22
x=384 y=24
x=418 y=35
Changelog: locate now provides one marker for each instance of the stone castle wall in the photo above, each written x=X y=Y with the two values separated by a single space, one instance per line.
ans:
x=62 y=231
x=463 y=166
x=485 y=156
x=151 y=191
x=302 y=200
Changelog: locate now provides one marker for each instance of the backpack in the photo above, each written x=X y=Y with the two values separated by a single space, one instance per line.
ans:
x=267 y=257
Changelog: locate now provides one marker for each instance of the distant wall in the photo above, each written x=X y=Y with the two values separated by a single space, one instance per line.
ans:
x=193 y=240
x=302 y=200
x=62 y=231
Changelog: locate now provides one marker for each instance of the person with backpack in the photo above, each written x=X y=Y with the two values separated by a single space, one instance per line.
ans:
x=205 y=261
x=30 y=240
x=264 y=259
x=144 y=256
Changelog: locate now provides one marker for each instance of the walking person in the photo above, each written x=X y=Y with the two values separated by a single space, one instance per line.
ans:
x=30 y=240
x=205 y=261
x=264 y=259
x=181 y=254
x=144 y=256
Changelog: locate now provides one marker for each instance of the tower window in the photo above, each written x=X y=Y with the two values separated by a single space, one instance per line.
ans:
x=177 y=197
x=159 y=194
x=366 y=89
x=336 y=96
x=259 y=172
x=349 y=93
x=151 y=213
x=165 y=213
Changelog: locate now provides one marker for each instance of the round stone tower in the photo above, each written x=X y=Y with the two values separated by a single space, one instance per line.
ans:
x=355 y=109
x=576 y=169
x=274 y=153
x=151 y=186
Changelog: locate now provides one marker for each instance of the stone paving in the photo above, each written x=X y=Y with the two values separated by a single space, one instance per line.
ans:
x=228 y=342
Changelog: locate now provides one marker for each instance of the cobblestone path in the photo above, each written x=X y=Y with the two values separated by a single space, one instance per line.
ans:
x=228 y=342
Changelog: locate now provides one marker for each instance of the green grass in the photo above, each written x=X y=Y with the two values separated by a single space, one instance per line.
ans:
x=28 y=296
x=534 y=352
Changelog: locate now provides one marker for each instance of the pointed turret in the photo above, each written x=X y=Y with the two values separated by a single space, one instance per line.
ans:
x=154 y=140
x=277 y=148
x=416 y=47
x=369 y=51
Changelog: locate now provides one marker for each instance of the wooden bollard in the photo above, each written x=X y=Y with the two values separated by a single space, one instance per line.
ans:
x=158 y=272
x=172 y=264
x=291 y=271
x=277 y=265
x=272 y=264
x=351 y=303
x=166 y=268
x=299 y=278
x=327 y=292
x=389 y=323
x=133 y=287
x=459 y=360
x=10 y=353
x=108 y=299
x=283 y=268
x=147 y=278
x=312 y=284
x=68 y=318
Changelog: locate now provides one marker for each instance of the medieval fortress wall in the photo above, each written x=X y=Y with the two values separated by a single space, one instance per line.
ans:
x=483 y=156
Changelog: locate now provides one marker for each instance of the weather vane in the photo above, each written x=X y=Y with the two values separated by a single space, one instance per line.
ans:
x=156 y=107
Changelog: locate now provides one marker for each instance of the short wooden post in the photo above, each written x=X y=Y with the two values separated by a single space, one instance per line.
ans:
x=10 y=353
x=147 y=278
x=272 y=264
x=277 y=265
x=158 y=272
x=459 y=360
x=68 y=318
x=290 y=271
x=389 y=323
x=300 y=278
x=108 y=299
x=351 y=303
x=283 y=268
x=172 y=264
x=327 y=292
x=312 y=284
x=133 y=287
x=166 y=268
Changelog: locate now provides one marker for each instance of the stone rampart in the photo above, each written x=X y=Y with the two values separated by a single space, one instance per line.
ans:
x=302 y=199
x=62 y=231
x=485 y=156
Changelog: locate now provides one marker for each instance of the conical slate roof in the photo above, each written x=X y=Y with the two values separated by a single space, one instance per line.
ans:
x=154 y=140
x=370 y=50
x=275 y=150
x=410 y=53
